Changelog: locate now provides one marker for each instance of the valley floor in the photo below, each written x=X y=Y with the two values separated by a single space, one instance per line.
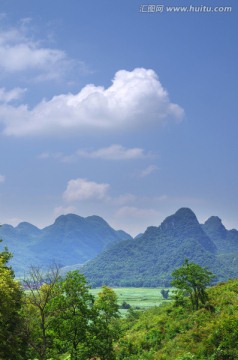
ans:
x=138 y=298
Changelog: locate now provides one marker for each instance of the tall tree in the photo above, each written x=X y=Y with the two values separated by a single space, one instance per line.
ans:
x=106 y=326
x=11 y=323
x=41 y=287
x=73 y=310
x=192 y=279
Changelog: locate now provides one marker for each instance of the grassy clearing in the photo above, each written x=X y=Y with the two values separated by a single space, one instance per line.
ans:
x=142 y=298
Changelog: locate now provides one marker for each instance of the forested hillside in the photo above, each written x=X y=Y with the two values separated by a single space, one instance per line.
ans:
x=112 y=257
x=150 y=259
x=176 y=332
x=58 y=318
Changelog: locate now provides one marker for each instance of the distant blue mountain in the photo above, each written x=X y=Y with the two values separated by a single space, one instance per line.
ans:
x=72 y=239
x=112 y=257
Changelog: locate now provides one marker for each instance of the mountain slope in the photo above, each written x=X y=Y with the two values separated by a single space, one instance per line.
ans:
x=225 y=240
x=71 y=239
x=114 y=258
x=177 y=332
x=150 y=259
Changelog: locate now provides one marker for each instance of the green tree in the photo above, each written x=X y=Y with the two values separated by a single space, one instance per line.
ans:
x=192 y=279
x=11 y=323
x=106 y=326
x=73 y=316
x=165 y=294
x=41 y=288
x=106 y=304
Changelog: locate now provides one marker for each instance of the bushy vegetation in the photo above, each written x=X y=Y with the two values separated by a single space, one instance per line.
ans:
x=58 y=318
x=176 y=331
x=55 y=318
x=11 y=336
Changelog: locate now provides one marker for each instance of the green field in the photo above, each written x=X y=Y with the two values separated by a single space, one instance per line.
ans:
x=142 y=298
x=138 y=298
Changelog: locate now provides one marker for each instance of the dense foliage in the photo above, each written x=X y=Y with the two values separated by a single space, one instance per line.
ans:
x=59 y=319
x=176 y=331
x=63 y=317
x=191 y=279
x=11 y=336
x=55 y=318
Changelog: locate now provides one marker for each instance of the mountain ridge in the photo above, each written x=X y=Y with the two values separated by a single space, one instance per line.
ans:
x=150 y=259
x=113 y=257
x=70 y=239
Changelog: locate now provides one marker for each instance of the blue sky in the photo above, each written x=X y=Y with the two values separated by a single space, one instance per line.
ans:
x=113 y=111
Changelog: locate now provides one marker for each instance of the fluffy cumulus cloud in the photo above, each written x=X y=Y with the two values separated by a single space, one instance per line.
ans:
x=83 y=189
x=135 y=99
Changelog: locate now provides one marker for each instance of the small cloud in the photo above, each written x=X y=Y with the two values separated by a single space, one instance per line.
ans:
x=62 y=210
x=8 y=96
x=19 y=52
x=2 y=179
x=149 y=170
x=124 y=199
x=114 y=152
x=48 y=155
x=135 y=212
x=135 y=100
x=44 y=155
x=35 y=59
x=162 y=198
x=82 y=189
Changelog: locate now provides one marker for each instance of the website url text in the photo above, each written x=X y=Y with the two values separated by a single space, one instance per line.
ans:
x=184 y=9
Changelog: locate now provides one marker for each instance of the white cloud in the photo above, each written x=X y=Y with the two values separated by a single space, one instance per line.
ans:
x=124 y=199
x=48 y=155
x=114 y=152
x=149 y=170
x=82 y=189
x=13 y=94
x=2 y=179
x=45 y=155
x=19 y=52
x=36 y=60
x=138 y=213
x=62 y=210
x=135 y=99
